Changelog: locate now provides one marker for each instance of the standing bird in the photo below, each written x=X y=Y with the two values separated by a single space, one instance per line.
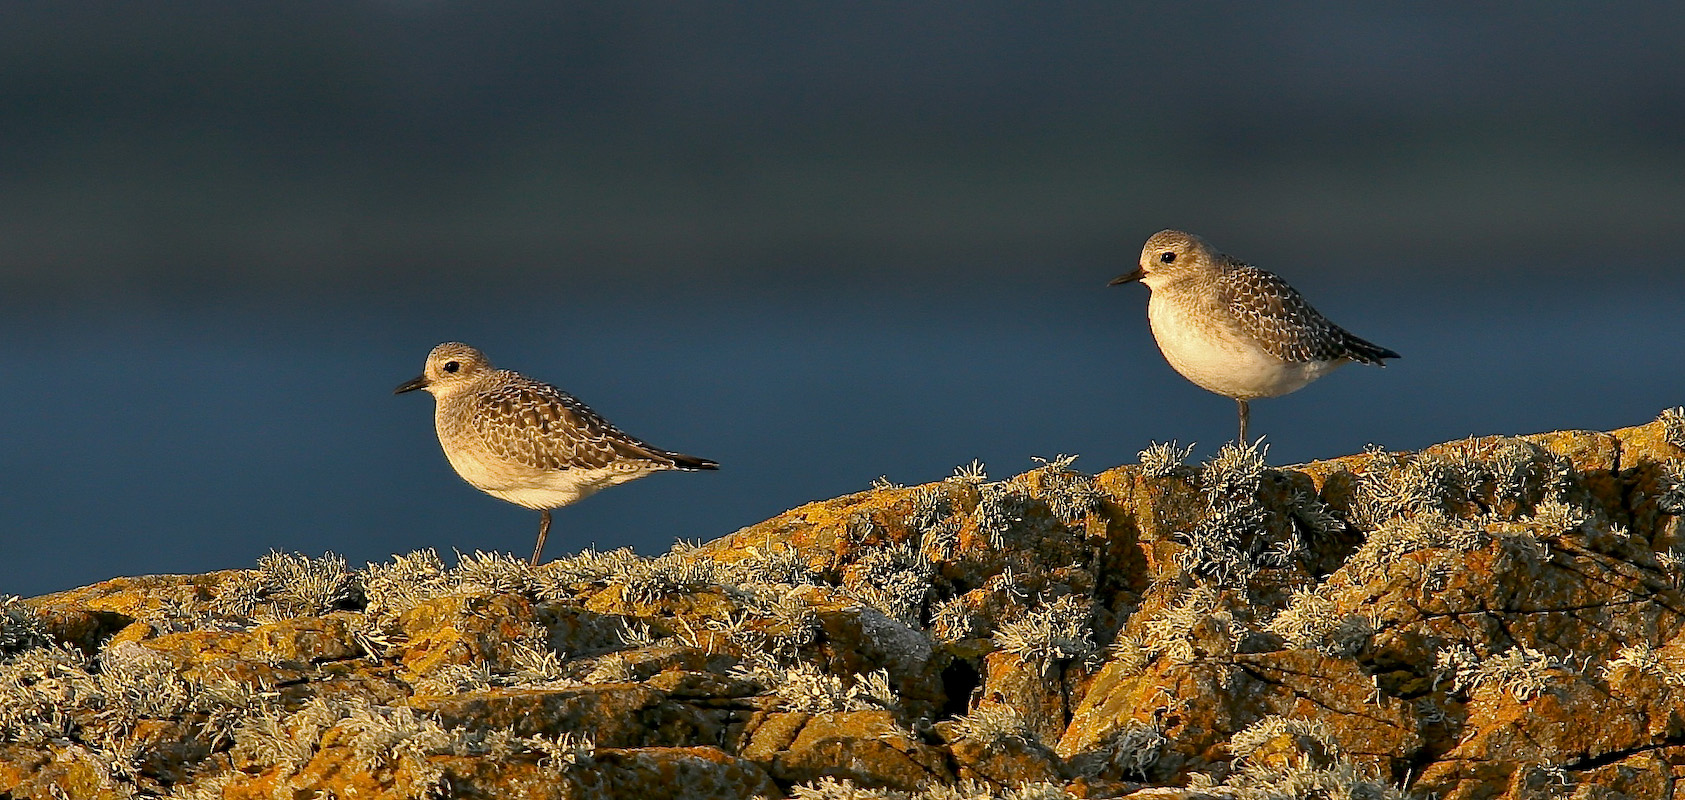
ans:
x=1234 y=329
x=528 y=442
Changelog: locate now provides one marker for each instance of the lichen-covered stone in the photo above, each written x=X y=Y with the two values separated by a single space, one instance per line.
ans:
x=1496 y=617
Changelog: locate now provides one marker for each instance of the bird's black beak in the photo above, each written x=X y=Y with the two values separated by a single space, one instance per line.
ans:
x=1130 y=278
x=418 y=382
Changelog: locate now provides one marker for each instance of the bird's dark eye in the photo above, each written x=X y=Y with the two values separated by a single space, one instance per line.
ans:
x=452 y=366
x=1167 y=257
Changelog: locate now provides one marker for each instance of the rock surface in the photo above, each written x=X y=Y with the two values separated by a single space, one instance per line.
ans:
x=1489 y=618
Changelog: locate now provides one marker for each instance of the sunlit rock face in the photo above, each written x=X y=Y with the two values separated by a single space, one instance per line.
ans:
x=1493 y=617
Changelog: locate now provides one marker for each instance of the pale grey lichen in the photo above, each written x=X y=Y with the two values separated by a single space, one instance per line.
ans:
x=931 y=504
x=138 y=683
x=1512 y=467
x=970 y=473
x=493 y=573
x=807 y=688
x=525 y=661
x=1010 y=583
x=588 y=568
x=1058 y=463
x=1520 y=671
x=1130 y=653
x=1342 y=779
x=1000 y=508
x=1316 y=516
x=1673 y=426
x=39 y=688
x=675 y=573
x=860 y=528
x=1395 y=485
x=1049 y=635
x=636 y=633
x=894 y=579
x=1249 y=740
x=381 y=737
x=1070 y=495
x=1670 y=494
x=1305 y=762
x=940 y=541
x=1313 y=621
x=1170 y=632
x=785 y=622
x=1520 y=542
x=1227 y=546
x=296 y=585
x=1553 y=517
x=1130 y=749
x=57 y=695
x=21 y=626
x=829 y=788
x=1236 y=472
x=1212 y=549
x=530 y=663
x=1162 y=460
x=1664 y=666
x=953 y=619
x=1397 y=537
x=225 y=701
x=1430 y=712
x=1672 y=563
x=612 y=668
x=782 y=566
x=874 y=690
x=993 y=725
x=564 y=751
x=100 y=771
x=406 y=582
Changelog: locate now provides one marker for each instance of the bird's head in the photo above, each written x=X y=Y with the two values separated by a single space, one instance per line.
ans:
x=1169 y=256
x=451 y=367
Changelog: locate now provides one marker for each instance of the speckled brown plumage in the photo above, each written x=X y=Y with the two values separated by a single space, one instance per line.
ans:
x=1278 y=318
x=528 y=442
x=538 y=425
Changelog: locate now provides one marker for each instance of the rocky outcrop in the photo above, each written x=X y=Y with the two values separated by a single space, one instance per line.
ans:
x=1489 y=618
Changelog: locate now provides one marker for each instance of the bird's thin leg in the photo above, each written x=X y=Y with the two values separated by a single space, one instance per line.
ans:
x=543 y=531
x=1245 y=418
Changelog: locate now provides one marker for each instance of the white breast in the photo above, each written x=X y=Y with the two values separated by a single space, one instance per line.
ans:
x=1218 y=357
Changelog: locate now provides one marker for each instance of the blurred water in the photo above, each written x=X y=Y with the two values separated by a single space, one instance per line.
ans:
x=197 y=434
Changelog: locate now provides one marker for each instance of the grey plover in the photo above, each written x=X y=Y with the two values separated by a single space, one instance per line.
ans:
x=530 y=443
x=1234 y=329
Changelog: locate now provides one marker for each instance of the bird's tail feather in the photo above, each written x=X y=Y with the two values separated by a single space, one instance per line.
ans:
x=1368 y=352
x=691 y=463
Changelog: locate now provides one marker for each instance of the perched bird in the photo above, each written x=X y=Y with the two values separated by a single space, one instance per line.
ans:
x=1234 y=329
x=528 y=442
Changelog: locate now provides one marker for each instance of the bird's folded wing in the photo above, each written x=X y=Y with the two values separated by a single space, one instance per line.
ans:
x=540 y=426
x=1279 y=319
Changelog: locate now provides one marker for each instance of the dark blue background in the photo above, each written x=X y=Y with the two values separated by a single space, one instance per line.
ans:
x=818 y=243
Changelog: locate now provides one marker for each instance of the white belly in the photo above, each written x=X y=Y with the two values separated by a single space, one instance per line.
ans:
x=537 y=489
x=1217 y=358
